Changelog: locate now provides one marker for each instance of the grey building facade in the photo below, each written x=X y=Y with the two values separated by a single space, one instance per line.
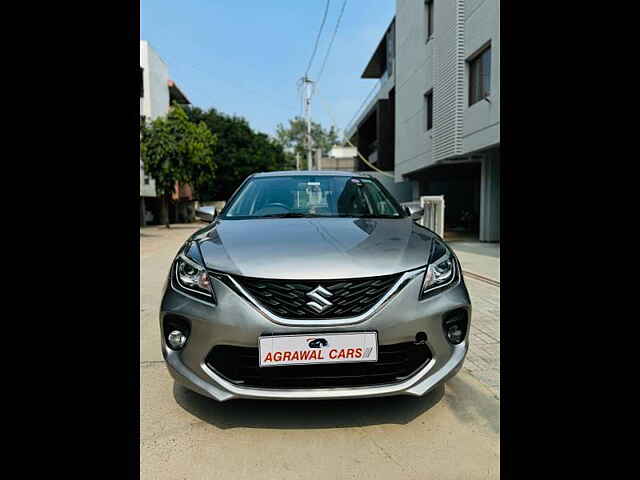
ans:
x=446 y=107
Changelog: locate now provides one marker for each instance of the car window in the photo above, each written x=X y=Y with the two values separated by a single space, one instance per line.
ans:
x=322 y=195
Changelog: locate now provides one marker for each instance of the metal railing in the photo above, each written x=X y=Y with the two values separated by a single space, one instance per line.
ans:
x=373 y=93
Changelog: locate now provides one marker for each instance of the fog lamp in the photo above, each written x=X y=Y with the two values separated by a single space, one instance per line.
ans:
x=455 y=326
x=176 y=339
x=454 y=334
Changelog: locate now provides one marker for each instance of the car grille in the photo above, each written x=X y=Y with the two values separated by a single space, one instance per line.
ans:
x=289 y=298
x=395 y=363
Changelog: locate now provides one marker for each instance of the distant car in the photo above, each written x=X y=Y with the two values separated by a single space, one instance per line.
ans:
x=318 y=342
x=207 y=213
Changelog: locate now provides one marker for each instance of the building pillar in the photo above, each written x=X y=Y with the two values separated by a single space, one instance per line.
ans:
x=385 y=135
x=415 y=189
x=490 y=197
x=143 y=220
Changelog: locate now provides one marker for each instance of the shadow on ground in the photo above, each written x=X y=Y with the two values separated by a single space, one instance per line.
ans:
x=306 y=414
x=472 y=403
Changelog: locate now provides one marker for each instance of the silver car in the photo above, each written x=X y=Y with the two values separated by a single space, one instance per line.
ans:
x=314 y=285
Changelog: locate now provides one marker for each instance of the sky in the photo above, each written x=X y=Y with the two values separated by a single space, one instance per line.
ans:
x=245 y=57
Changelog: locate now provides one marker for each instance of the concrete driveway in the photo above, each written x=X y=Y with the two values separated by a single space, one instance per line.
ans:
x=452 y=433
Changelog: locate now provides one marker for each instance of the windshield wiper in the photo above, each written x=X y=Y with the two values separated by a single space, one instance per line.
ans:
x=366 y=215
x=289 y=215
x=313 y=215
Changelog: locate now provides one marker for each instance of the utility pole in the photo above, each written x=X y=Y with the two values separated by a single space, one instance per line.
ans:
x=308 y=85
x=297 y=161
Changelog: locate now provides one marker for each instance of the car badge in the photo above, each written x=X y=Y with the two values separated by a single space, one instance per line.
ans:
x=321 y=303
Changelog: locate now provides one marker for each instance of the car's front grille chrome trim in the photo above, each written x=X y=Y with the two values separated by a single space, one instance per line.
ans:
x=402 y=281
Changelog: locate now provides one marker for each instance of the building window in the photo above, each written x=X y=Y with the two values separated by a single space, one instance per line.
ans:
x=141 y=82
x=428 y=108
x=480 y=76
x=428 y=14
x=146 y=180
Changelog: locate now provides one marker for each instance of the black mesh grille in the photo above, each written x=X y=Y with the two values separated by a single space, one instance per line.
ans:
x=395 y=363
x=289 y=299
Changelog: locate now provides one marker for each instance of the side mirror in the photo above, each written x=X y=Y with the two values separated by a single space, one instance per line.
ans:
x=414 y=213
x=206 y=214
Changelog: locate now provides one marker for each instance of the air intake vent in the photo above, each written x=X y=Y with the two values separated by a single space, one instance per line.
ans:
x=395 y=364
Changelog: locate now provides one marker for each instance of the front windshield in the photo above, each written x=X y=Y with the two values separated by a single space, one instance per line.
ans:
x=312 y=196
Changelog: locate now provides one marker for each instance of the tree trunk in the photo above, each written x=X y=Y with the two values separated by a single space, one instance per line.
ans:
x=143 y=219
x=180 y=212
x=164 y=210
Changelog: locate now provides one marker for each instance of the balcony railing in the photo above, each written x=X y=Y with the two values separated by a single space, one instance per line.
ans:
x=363 y=106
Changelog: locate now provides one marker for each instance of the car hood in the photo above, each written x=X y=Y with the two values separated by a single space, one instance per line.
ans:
x=314 y=248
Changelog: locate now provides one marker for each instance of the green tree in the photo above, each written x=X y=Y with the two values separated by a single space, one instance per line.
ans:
x=175 y=150
x=295 y=137
x=241 y=151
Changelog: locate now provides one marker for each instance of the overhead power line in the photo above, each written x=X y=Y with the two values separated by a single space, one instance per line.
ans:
x=315 y=47
x=333 y=37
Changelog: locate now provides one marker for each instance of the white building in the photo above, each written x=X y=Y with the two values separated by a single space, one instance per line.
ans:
x=445 y=105
x=339 y=158
x=157 y=92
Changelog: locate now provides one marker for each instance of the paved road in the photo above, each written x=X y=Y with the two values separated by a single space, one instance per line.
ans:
x=480 y=258
x=452 y=433
x=483 y=359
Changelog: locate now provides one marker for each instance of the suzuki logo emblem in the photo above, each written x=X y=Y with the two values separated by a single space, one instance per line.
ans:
x=321 y=303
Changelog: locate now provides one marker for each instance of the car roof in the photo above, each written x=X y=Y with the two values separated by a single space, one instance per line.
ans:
x=332 y=173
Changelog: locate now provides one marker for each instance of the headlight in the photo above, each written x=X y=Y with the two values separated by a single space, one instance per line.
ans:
x=441 y=270
x=190 y=276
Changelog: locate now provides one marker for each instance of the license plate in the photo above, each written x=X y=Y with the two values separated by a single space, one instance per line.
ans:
x=279 y=350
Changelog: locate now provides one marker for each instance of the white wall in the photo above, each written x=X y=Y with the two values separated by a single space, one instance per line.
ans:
x=156 y=82
x=155 y=101
x=342 y=152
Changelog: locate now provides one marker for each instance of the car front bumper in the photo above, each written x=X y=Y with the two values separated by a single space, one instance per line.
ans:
x=235 y=321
